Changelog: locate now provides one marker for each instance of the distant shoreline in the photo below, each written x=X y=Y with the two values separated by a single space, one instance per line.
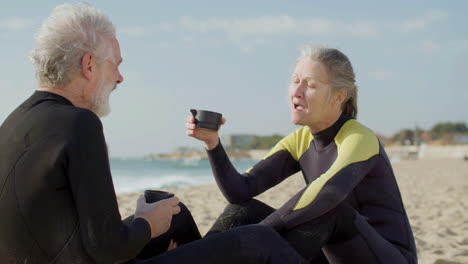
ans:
x=423 y=151
x=256 y=154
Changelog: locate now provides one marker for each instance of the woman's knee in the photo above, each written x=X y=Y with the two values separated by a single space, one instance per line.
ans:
x=261 y=232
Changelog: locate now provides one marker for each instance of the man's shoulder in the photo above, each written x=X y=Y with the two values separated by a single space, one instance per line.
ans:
x=77 y=122
x=78 y=115
x=60 y=117
x=45 y=118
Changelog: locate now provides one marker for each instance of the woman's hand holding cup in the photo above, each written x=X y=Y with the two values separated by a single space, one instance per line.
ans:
x=204 y=125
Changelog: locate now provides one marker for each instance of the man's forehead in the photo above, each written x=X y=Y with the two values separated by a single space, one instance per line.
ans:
x=117 y=57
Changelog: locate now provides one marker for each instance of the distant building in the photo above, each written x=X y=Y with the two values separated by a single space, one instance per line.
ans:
x=382 y=138
x=189 y=149
x=426 y=136
x=237 y=140
x=460 y=139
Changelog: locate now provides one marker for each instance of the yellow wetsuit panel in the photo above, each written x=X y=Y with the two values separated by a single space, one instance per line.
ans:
x=296 y=143
x=354 y=143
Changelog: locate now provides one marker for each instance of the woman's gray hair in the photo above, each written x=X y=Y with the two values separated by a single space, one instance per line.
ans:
x=340 y=73
x=64 y=37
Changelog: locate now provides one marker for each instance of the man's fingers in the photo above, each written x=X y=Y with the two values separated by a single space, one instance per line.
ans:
x=176 y=209
x=172 y=245
x=173 y=201
x=141 y=199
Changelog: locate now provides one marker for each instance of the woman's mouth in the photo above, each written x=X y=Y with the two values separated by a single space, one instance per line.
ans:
x=298 y=107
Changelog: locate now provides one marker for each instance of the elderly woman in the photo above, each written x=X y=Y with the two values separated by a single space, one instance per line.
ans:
x=350 y=210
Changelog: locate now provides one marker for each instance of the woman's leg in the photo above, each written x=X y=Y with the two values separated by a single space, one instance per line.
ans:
x=235 y=215
x=252 y=244
x=343 y=235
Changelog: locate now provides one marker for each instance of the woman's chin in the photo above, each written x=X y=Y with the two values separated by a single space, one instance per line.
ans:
x=296 y=121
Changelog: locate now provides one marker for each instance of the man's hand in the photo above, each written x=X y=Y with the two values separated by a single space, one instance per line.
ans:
x=210 y=137
x=172 y=245
x=158 y=214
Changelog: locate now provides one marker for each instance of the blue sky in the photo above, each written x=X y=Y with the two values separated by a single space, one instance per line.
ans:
x=236 y=57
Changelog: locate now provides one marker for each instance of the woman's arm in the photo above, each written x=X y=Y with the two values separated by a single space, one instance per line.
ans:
x=237 y=188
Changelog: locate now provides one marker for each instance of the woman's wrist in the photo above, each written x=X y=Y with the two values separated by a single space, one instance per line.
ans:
x=210 y=145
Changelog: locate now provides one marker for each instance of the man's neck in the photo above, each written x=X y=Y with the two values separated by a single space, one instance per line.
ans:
x=68 y=92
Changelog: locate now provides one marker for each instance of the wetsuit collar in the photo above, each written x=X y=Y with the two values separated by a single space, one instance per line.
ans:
x=323 y=138
x=40 y=96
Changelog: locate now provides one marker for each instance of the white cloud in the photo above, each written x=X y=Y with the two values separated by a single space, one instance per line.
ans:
x=132 y=31
x=316 y=25
x=444 y=47
x=244 y=31
x=382 y=75
x=362 y=28
x=429 y=47
x=163 y=44
x=16 y=23
x=257 y=26
x=459 y=46
x=188 y=40
x=284 y=24
x=165 y=27
x=425 y=21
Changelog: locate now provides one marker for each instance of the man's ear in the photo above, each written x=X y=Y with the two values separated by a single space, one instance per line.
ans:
x=87 y=65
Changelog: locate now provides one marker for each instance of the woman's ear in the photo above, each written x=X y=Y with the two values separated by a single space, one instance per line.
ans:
x=341 y=96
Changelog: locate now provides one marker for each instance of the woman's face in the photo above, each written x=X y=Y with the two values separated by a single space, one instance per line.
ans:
x=312 y=102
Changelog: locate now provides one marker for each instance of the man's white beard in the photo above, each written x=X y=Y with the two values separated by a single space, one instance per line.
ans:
x=101 y=105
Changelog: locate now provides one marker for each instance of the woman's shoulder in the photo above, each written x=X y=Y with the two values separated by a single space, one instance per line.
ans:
x=357 y=138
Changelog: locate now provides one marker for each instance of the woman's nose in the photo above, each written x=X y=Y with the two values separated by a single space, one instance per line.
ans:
x=297 y=90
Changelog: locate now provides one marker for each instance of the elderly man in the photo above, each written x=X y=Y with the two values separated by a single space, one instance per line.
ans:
x=57 y=198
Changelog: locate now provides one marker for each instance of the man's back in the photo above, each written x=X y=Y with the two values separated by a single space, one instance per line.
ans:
x=56 y=197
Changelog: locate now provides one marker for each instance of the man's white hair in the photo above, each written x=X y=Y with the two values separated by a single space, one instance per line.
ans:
x=64 y=37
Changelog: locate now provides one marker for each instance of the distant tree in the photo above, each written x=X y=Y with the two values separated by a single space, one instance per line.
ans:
x=440 y=130
x=264 y=142
x=407 y=137
x=259 y=142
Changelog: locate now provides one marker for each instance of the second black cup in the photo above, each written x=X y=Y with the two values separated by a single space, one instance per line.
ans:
x=153 y=196
x=207 y=119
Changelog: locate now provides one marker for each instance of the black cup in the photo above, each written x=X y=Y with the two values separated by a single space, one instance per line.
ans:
x=153 y=196
x=207 y=119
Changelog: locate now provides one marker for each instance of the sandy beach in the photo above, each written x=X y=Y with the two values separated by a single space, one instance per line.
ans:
x=435 y=193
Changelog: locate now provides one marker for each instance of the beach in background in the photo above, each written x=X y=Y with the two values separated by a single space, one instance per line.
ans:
x=136 y=175
x=434 y=191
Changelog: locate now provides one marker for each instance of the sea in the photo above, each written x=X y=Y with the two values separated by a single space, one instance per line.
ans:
x=135 y=175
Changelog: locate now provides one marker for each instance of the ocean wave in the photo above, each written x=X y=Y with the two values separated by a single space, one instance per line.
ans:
x=139 y=183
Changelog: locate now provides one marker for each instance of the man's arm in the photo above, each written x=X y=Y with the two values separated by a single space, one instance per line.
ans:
x=104 y=236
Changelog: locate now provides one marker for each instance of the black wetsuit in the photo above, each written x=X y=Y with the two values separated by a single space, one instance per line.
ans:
x=344 y=166
x=58 y=204
x=57 y=197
